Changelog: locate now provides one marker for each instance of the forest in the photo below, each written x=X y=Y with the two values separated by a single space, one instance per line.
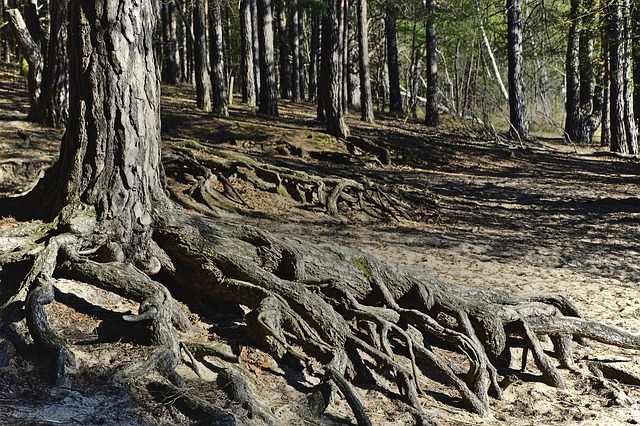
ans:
x=319 y=212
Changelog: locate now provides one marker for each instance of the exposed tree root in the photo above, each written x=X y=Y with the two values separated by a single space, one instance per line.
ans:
x=207 y=175
x=347 y=317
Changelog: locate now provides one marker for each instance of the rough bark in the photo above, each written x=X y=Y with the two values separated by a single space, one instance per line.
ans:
x=636 y=60
x=623 y=130
x=268 y=102
x=332 y=89
x=366 y=99
x=431 y=113
x=169 y=44
x=284 y=50
x=391 y=34
x=201 y=57
x=296 y=64
x=216 y=51
x=572 y=74
x=33 y=54
x=246 y=47
x=517 y=99
x=314 y=54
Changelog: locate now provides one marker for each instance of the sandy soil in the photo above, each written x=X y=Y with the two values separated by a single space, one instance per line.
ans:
x=547 y=218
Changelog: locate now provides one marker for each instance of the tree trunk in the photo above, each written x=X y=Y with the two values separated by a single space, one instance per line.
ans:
x=605 y=131
x=314 y=54
x=55 y=83
x=256 y=45
x=34 y=56
x=201 y=57
x=169 y=43
x=283 y=50
x=216 y=51
x=636 y=60
x=586 y=127
x=366 y=99
x=296 y=65
x=572 y=73
x=353 y=70
x=268 y=103
x=623 y=133
x=517 y=101
x=628 y=41
x=110 y=154
x=246 y=50
x=391 y=33
x=331 y=72
x=431 y=112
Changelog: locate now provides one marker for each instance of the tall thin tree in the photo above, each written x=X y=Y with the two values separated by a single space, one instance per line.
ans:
x=268 y=101
x=431 y=113
x=366 y=100
x=216 y=54
x=201 y=57
x=517 y=100
x=391 y=33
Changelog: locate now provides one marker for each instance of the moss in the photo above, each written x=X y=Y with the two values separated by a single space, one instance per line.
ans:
x=24 y=67
x=362 y=264
x=282 y=191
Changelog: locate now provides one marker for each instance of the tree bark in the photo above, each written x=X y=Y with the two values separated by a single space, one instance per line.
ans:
x=431 y=113
x=623 y=131
x=586 y=126
x=391 y=33
x=332 y=88
x=169 y=44
x=366 y=99
x=201 y=57
x=34 y=56
x=268 y=103
x=284 y=51
x=314 y=54
x=636 y=60
x=517 y=101
x=246 y=47
x=572 y=74
x=296 y=64
x=216 y=52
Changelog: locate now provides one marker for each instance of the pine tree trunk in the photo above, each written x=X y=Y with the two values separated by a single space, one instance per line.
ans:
x=283 y=50
x=331 y=88
x=110 y=155
x=366 y=98
x=431 y=113
x=517 y=101
x=216 y=52
x=169 y=44
x=201 y=57
x=268 y=103
x=296 y=65
x=636 y=60
x=353 y=73
x=572 y=73
x=391 y=32
x=586 y=126
x=256 y=45
x=246 y=47
x=314 y=55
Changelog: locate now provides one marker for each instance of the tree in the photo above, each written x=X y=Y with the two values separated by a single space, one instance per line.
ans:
x=366 y=101
x=297 y=77
x=572 y=104
x=201 y=57
x=517 y=102
x=268 y=101
x=246 y=47
x=391 y=33
x=283 y=49
x=332 y=69
x=111 y=225
x=431 y=114
x=170 y=57
x=622 y=122
x=636 y=60
x=48 y=63
x=216 y=51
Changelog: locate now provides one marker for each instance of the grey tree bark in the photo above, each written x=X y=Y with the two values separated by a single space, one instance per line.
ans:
x=201 y=57
x=314 y=54
x=391 y=34
x=431 y=113
x=284 y=50
x=331 y=74
x=572 y=74
x=216 y=57
x=268 y=101
x=246 y=47
x=622 y=122
x=366 y=98
x=517 y=97
x=169 y=44
x=297 y=79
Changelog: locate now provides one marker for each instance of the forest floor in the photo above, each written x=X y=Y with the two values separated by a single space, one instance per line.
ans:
x=541 y=217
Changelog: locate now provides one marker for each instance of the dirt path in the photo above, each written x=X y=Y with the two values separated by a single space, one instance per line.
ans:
x=548 y=218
